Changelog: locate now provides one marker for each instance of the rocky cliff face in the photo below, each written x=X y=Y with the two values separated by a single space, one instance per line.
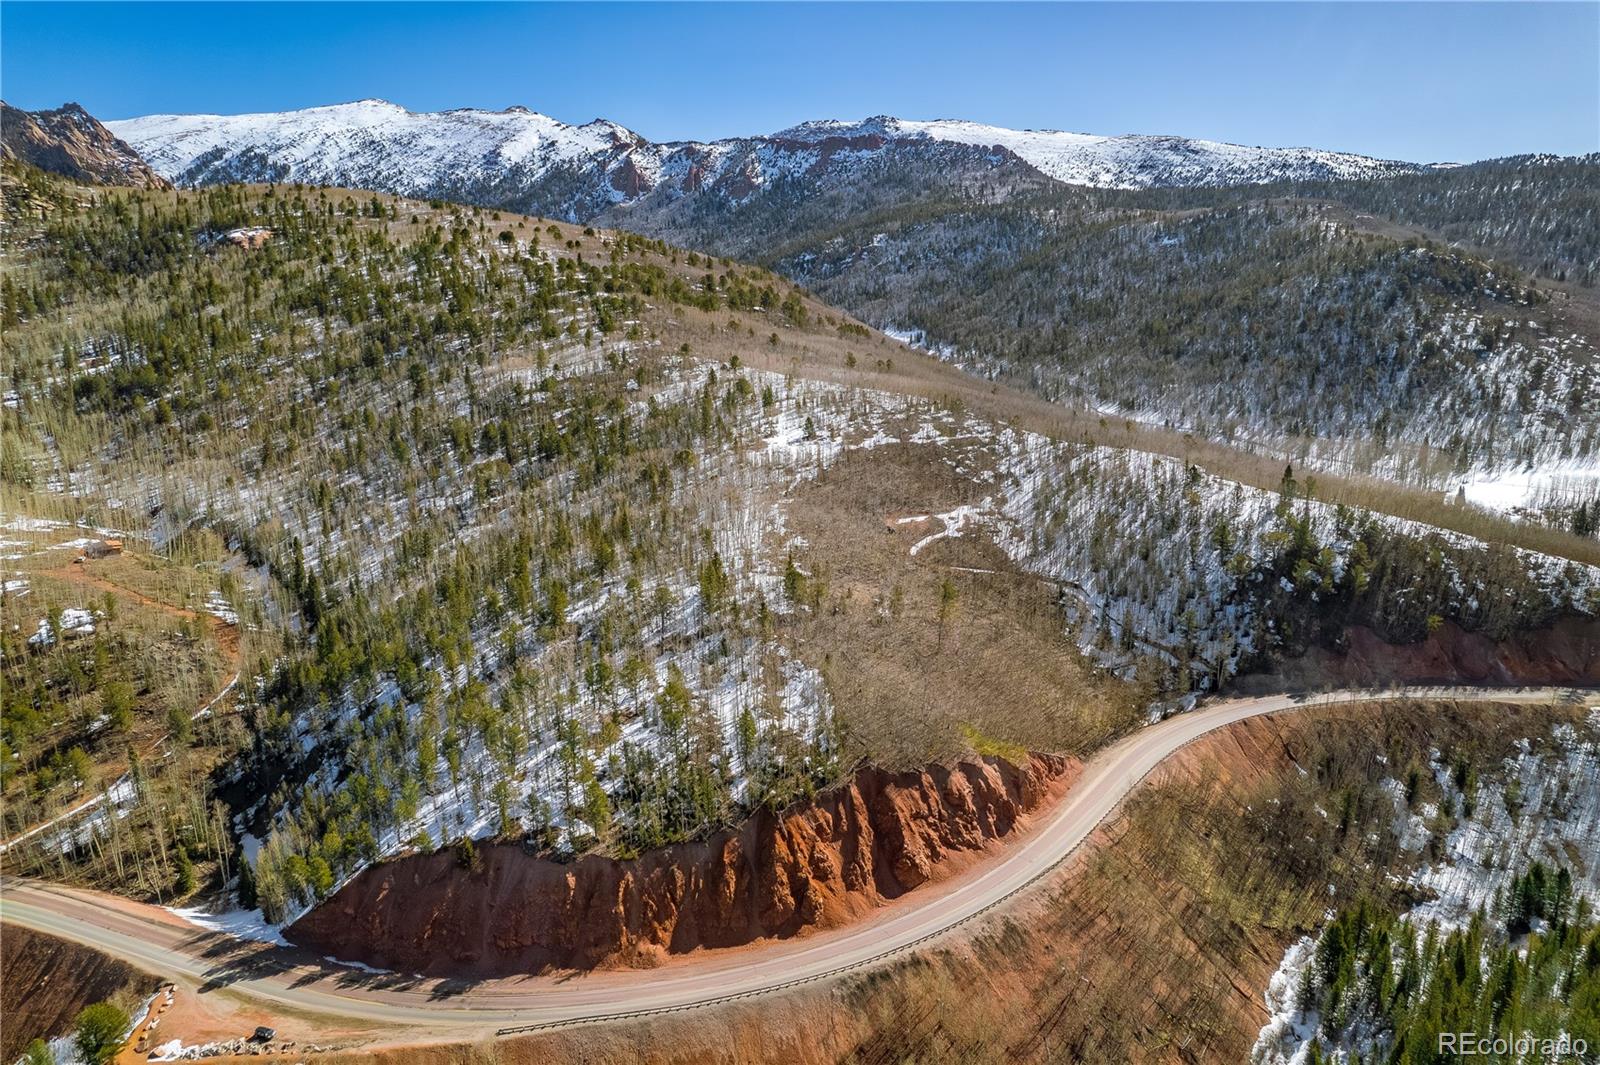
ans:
x=815 y=865
x=69 y=141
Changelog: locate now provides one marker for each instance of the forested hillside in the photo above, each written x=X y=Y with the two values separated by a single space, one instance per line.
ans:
x=466 y=477
x=1382 y=985
x=505 y=528
x=1490 y=931
x=1436 y=327
x=1433 y=324
x=1273 y=326
x=1539 y=212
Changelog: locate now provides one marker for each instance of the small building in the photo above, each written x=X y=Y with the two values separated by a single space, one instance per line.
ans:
x=104 y=548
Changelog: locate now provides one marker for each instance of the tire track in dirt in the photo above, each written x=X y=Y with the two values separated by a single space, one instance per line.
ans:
x=224 y=633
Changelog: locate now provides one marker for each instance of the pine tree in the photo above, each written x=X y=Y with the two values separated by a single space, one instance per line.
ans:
x=247 y=885
x=99 y=1030
x=186 y=881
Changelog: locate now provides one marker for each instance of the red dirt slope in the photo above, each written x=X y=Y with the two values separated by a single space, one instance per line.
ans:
x=815 y=865
x=1567 y=652
x=45 y=981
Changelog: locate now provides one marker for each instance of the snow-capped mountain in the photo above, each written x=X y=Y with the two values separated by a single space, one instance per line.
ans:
x=373 y=144
x=522 y=159
x=372 y=137
x=1132 y=161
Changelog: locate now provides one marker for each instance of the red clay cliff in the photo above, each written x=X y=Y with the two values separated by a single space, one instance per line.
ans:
x=779 y=874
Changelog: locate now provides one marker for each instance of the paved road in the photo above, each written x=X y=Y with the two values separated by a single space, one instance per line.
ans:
x=287 y=978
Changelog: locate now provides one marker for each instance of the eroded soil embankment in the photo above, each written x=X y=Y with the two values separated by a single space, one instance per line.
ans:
x=1567 y=652
x=815 y=865
x=45 y=981
x=1153 y=945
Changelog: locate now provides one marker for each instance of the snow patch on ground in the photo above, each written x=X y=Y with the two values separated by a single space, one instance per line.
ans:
x=1512 y=490
x=1541 y=806
x=241 y=924
x=953 y=521
x=1285 y=1039
x=75 y=621
x=219 y=607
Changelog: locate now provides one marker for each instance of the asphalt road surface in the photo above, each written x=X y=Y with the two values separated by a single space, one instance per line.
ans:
x=293 y=979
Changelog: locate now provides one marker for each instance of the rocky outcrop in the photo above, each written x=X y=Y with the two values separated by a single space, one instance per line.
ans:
x=249 y=238
x=69 y=141
x=815 y=865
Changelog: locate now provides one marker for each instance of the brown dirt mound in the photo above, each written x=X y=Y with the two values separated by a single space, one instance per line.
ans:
x=45 y=981
x=816 y=865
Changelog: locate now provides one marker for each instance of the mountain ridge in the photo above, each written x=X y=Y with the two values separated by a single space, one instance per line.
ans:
x=69 y=141
x=522 y=159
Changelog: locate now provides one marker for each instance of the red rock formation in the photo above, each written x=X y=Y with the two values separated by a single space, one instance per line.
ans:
x=629 y=180
x=815 y=865
x=250 y=238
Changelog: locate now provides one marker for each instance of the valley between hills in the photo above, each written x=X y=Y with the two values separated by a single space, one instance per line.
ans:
x=440 y=618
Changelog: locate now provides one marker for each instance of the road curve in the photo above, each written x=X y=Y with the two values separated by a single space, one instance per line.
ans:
x=293 y=979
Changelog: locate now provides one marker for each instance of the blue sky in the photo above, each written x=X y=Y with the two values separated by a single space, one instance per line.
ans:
x=1431 y=81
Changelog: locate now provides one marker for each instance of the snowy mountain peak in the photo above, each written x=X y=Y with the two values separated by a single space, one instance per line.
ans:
x=373 y=144
x=353 y=107
x=819 y=128
x=1126 y=161
x=520 y=158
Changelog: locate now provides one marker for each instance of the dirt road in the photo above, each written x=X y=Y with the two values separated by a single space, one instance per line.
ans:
x=281 y=978
x=226 y=635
